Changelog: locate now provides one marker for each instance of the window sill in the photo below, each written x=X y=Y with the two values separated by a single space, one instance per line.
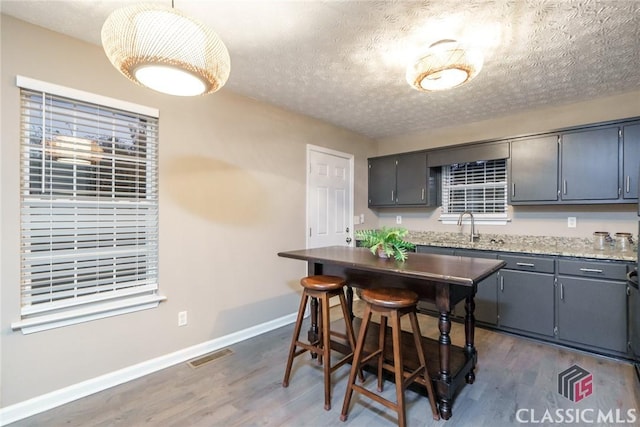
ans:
x=484 y=219
x=101 y=311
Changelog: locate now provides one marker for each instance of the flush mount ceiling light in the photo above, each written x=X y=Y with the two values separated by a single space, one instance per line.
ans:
x=163 y=49
x=445 y=65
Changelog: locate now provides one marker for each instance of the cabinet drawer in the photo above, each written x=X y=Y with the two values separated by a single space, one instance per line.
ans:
x=528 y=263
x=475 y=253
x=608 y=270
x=438 y=250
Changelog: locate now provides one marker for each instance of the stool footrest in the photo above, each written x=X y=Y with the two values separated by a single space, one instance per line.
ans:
x=386 y=402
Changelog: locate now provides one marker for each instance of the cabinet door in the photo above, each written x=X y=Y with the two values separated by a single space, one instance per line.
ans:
x=411 y=179
x=525 y=301
x=382 y=181
x=631 y=160
x=593 y=312
x=486 y=298
x=534 y=170
x=424 y=306
x=590 y=164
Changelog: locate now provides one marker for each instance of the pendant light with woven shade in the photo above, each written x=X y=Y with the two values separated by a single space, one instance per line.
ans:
x=445 y=65
x=165 y=50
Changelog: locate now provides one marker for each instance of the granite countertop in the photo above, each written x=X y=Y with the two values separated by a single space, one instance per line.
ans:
x=541 y=245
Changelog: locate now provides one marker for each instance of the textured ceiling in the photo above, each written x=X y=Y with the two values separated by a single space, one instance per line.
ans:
x=344 y=61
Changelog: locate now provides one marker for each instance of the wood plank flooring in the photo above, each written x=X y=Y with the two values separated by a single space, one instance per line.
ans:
x=244 y=389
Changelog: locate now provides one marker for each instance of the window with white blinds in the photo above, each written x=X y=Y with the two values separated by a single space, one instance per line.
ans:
x=89 y=207
x=478 y=187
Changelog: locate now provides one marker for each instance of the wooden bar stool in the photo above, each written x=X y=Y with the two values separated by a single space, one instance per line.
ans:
x=323 y=288
x=391 y=304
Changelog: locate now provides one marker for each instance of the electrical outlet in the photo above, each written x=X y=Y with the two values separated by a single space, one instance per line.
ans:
x=398 y=219
x=571 y=222
x=361 y=218
x=182 y=318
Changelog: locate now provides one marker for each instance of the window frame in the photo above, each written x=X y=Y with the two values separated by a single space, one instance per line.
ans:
x=123 y=292
x=490 y=218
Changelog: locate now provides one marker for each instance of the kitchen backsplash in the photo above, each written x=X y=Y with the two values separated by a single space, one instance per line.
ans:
x=523 y=220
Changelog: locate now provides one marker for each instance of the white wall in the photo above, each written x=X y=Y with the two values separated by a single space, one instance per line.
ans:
x=525 y=220
x=232 y=194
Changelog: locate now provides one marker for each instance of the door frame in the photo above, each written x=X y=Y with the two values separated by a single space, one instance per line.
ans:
x=348 y=156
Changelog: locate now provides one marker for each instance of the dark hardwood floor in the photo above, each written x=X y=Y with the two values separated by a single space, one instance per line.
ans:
x=515 y=379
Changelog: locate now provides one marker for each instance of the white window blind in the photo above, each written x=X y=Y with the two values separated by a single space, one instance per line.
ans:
x=478 y=187
x=89 y=210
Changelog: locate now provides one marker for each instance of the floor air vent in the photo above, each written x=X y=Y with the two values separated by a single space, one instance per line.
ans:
x=209 y=357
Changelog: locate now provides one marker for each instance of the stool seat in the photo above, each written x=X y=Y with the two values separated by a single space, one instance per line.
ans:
x=322 y=283
x=390 y=298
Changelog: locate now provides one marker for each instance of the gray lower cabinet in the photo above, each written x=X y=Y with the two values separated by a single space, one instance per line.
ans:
x=486 y=298
x=591 y=312
x=572 y=301
x=526 y=302
x=428 y=307
x=434 y=250
x=592 y=300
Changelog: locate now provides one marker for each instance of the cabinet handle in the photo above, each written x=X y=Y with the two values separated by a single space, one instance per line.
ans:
x=561 y=292
x=392 y=199
x=591 y=270
x=627 y=184
x=564 y=186
x=501 y=283
x=513 y=189
x=422 y=196
x=525 y=264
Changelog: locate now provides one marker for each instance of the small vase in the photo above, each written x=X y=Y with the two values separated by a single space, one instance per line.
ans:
x=382 y=253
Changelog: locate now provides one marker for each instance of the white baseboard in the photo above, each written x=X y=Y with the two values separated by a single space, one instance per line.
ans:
x=68 y=394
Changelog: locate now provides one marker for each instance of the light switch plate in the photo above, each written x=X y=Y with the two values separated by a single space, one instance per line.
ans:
x=571 y=222
x=398 y=219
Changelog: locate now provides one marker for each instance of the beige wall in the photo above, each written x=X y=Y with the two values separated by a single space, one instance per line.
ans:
x=540 y=220
x=232 y=194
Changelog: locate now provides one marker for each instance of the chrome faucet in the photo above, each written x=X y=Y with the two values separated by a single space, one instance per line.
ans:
x=472 y=233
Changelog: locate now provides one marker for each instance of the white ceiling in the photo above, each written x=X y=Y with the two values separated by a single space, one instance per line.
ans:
x=344 y=61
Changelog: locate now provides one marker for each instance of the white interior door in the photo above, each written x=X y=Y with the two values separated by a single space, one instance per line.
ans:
x=329 y=197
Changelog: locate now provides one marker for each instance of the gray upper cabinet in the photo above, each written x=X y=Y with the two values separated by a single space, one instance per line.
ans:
x=595 y=164
x=630 y=160
x=469 y=153
x=411 y=179
x=589 y=165
x=533 y=170
x=401 y=180
x=382 y=181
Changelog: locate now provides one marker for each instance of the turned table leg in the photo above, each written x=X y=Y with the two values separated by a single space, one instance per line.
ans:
x=469 y=334
x=444 y=324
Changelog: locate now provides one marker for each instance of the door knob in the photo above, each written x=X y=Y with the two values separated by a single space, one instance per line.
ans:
x=348 y=239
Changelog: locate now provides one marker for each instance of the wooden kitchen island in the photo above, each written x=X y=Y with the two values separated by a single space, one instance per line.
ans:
x=442 y=279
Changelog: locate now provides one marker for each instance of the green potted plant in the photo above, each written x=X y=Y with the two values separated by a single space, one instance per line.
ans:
x=386 y=242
